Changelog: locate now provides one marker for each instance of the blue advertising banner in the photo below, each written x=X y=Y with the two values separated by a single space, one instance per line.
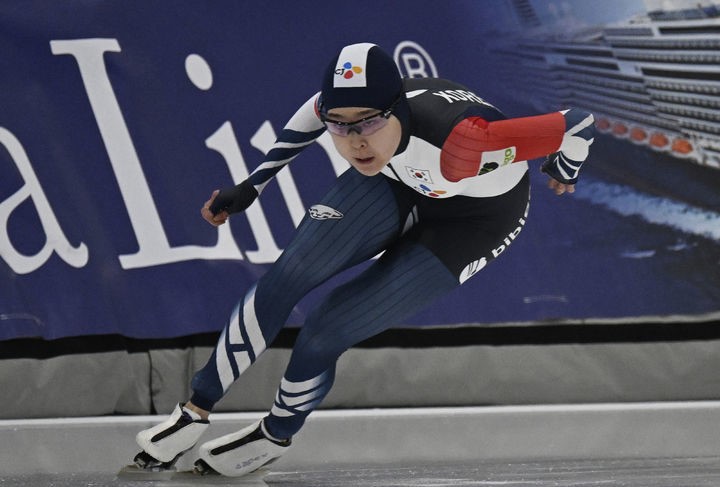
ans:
x=118 y=119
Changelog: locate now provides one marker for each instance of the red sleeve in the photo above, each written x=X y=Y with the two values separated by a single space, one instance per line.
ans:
x=531 y=137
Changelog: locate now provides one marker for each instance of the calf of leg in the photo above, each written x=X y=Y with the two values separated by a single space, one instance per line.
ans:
x=405 y=279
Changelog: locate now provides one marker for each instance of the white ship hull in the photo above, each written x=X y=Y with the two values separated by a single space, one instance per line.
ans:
x=653 y=80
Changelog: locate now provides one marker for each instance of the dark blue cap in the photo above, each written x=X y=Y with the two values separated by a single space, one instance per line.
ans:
x=361 y=75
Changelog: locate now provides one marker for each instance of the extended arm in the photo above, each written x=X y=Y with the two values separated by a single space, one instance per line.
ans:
x=302 y=130
x=476 y=145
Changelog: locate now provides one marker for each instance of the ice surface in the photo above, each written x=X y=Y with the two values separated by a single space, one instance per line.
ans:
x=659 y=472
x=629 y=445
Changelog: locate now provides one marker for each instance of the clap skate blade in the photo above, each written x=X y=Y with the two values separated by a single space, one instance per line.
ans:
x=146 y=461
x=149 y=468
x=202 y=468
x=208 y=474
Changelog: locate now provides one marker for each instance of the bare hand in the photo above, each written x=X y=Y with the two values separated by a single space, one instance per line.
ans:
x=214 y=220
x=560 y=188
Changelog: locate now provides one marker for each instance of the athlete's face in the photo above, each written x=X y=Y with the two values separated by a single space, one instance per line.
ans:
x=368 y=153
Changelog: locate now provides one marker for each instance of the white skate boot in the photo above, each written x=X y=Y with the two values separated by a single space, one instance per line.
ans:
x=163 y=444
x=240 y=453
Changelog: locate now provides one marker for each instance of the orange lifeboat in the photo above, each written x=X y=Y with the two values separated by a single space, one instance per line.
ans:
x=602 y=124
x=682 y=146
x=637 y=134
x=659 y=140
x=620 y=129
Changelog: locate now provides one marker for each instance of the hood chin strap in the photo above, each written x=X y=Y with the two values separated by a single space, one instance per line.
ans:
x=402 y=112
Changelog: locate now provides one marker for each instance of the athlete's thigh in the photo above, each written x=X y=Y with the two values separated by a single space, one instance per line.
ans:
x=476 y=232
x=406 y=279
x=358 y=218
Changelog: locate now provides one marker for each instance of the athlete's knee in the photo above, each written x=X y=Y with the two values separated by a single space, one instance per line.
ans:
x=293 y=275
x=319 y=348
x=282 y=274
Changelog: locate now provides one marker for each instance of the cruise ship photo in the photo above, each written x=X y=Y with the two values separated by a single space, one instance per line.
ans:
x=652 y=80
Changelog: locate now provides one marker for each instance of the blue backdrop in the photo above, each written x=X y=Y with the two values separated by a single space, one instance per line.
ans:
x=118 y=119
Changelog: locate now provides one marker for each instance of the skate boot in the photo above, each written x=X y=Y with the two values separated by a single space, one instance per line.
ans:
x=240 y=453
x=163 y=444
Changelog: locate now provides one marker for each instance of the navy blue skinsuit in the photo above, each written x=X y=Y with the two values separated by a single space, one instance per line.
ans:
x=434 y=233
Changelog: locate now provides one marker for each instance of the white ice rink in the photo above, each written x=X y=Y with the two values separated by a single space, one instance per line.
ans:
x=674 y=444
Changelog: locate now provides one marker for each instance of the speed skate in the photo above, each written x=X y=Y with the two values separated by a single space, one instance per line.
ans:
x=241 y=453
x=237 y=454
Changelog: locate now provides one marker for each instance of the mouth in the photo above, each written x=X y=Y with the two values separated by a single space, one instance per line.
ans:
x=364 y=160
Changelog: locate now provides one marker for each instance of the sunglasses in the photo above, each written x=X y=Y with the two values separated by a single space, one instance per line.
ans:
x=364 y=126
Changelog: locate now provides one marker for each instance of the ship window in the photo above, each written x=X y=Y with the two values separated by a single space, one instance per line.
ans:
x=699 y=75
x=585 y=52
x=629 y=32
x=708 y=29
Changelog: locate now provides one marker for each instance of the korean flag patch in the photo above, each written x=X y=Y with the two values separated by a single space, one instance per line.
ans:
x=419 y=174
